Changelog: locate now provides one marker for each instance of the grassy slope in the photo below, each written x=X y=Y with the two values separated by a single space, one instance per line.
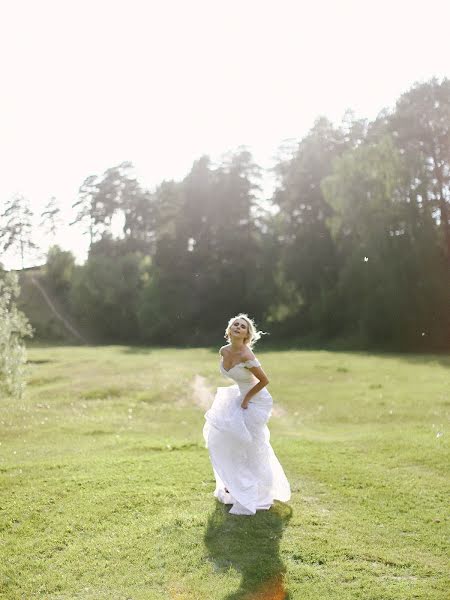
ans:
x=45 y=323
x=107 y=488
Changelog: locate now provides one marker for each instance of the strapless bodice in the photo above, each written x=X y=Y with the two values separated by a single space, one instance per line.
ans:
x=240 y=372
x=245 y=379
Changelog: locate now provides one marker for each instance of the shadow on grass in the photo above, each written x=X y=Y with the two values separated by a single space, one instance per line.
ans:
x=142 y=349
x=40 y=361
x=426 y=359
x=251 y=545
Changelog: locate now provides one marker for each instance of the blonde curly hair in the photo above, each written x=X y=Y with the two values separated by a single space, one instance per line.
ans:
x=253 y=333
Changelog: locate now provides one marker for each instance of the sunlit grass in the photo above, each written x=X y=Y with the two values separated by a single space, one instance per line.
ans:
x=107 y=488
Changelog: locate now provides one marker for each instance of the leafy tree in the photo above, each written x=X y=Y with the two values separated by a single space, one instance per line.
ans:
x=307 y=254
x=17 y=227
x=420 y=127
x=116 y=193
x=237 y=236
x=85 y=206
x=391 y=273
x=169 y=299
x=59 y=270
x=105 y=295
x=207 y=244
x=51 y=217
x=13 y=328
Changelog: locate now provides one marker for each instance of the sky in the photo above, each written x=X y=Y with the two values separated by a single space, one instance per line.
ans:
x=86 y=85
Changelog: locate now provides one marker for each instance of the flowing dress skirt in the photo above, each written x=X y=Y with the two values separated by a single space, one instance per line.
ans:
x=242 y=457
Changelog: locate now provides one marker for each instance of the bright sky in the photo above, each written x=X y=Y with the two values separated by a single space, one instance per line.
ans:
x=89 y=84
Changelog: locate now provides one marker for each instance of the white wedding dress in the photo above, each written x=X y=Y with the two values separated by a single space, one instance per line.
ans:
x=238 y=441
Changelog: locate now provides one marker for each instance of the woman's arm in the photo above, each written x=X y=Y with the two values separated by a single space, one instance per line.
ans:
x=263 y=381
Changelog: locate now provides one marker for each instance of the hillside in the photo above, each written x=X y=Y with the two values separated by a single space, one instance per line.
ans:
x=46 y=313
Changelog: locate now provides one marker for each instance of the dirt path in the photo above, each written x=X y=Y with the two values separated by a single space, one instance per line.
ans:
x=202 y=394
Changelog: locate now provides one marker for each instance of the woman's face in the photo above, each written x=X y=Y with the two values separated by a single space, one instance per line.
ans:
x=239 y=329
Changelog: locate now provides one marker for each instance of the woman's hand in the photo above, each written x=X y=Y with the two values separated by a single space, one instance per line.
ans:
x=244 y=403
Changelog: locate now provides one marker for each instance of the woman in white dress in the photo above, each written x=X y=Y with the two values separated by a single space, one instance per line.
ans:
x=247 y=472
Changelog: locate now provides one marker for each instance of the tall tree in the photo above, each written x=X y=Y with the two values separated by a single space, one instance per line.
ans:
x=59 y=269
x=308 y=257
x=116 y=193
x=170 y=298
x=390 y=289
x=105 y=293
x=237 y=233
x=420 y=127
x=51 y=217
x=16 y=231
x=208 y=248
x=85 y=207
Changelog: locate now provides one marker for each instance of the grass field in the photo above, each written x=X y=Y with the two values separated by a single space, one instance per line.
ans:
x=106 y=487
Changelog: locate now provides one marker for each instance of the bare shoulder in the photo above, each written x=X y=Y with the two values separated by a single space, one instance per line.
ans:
x=223 y=349
x=247 y=354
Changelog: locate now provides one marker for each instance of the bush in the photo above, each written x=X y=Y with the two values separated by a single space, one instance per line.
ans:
x=14 y=326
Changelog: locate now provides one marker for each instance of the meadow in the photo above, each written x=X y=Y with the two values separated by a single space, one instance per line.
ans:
x=106 y=486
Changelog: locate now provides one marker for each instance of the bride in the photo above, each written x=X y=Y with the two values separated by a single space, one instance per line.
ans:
x=247 y=472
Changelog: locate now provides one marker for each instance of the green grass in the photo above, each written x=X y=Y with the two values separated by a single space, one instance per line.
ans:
x=106 y=487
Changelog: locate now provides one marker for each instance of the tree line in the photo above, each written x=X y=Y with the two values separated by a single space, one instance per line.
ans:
x=353 y=245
